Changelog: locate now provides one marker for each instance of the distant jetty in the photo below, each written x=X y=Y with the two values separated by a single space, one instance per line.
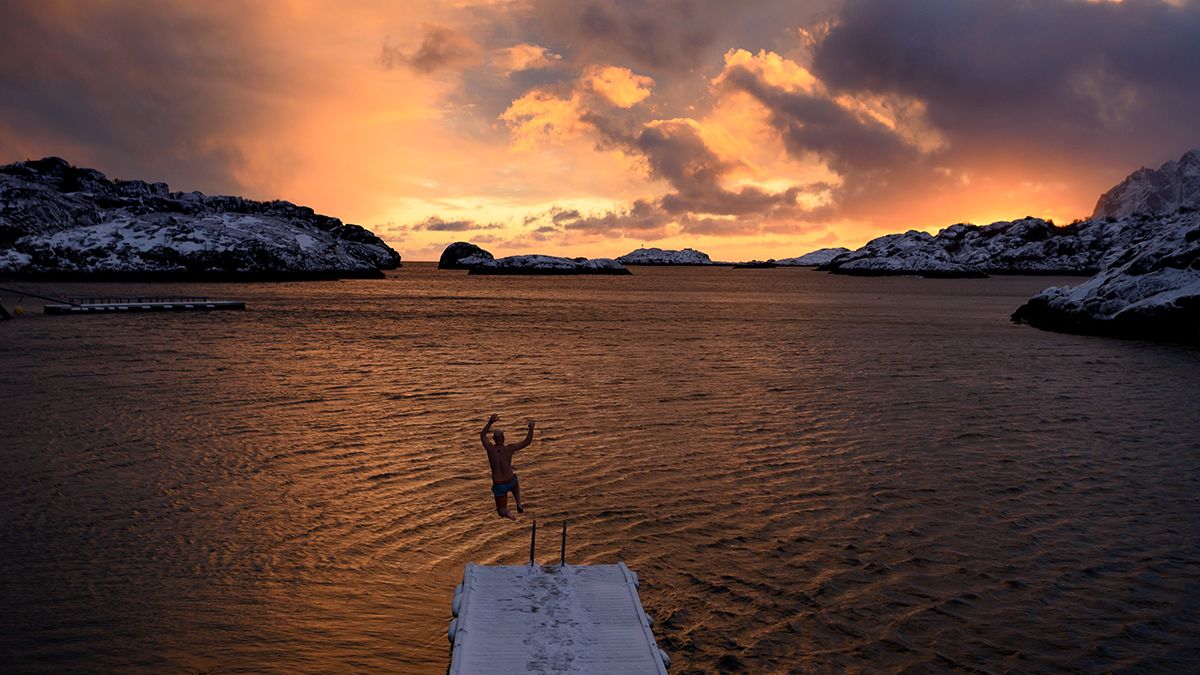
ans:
x=118 y=305
x=107 y=304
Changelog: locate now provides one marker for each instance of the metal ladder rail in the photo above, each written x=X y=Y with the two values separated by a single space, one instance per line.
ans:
x=562 y=553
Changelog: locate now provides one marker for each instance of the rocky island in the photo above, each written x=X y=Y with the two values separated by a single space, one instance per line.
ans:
x=463 y=255
x=658 y=256
x=548 y=264
x=58 y=221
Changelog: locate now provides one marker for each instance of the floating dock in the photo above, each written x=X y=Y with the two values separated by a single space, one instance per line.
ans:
x=552 y=619
x=559 y=619
x=108 y=305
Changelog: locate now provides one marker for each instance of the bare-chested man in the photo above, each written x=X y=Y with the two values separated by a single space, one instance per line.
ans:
x=500 y=458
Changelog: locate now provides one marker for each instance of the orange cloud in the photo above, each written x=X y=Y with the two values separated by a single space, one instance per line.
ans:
x=621 y=86
x=525 y=56
x=539 y=116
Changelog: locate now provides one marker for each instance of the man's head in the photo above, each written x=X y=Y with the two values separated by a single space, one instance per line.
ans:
x=498 y=437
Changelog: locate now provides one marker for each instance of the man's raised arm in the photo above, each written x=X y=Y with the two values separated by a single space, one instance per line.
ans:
x=528 y=438
x=483 y=435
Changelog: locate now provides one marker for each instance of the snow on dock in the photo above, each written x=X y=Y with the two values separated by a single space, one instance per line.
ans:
x=558 y=619
x=141 y=304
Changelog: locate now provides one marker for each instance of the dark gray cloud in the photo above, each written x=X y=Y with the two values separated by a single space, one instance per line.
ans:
x=656 y=34
x=668 y=35
x=138 y=90
x=814 y=123
x=872 y=160
x=441 y=47
x=675 y=152
x=565 y=216
x=1062 y=80
x=436 y=224
x=643 y=218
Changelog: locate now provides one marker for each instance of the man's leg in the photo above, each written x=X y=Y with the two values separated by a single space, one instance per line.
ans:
x=516 y=490
x=502 y=508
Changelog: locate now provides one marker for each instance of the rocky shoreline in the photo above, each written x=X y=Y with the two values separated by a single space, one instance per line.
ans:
x=1151 y=290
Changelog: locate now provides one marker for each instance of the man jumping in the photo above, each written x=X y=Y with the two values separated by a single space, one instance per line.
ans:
x=500 y=459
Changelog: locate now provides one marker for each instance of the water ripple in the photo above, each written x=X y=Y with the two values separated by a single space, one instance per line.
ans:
x=808 y=472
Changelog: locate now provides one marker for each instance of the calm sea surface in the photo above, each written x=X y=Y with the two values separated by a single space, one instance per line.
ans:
x=808 y=472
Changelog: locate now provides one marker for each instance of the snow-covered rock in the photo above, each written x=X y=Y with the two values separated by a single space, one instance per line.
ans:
x=463 y=255
x=546 y=264
x=821 y=256
x=658 y=256
x=1150 y=192
x=1151 y=289
x=1025 y=246
x=58 y=220
x=1148 y=286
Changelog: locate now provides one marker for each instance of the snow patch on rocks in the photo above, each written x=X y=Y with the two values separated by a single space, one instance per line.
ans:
x=821 y=256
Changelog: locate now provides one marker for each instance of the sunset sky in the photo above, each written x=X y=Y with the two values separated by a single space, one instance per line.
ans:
x=758 y=129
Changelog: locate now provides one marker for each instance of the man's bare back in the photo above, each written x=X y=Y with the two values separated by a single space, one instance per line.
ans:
x=500 y=455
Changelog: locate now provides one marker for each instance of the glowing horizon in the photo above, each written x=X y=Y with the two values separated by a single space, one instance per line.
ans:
x=598 y=127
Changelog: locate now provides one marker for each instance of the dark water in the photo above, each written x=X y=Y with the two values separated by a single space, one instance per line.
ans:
x=808 y=472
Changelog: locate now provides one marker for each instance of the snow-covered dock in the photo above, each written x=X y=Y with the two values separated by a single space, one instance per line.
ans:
x=145 y=304
x=559 y=619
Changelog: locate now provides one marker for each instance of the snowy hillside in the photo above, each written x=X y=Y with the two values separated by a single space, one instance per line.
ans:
x=59 y=220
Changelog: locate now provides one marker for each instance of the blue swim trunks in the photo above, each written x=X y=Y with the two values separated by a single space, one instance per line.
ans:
x=501 y=489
